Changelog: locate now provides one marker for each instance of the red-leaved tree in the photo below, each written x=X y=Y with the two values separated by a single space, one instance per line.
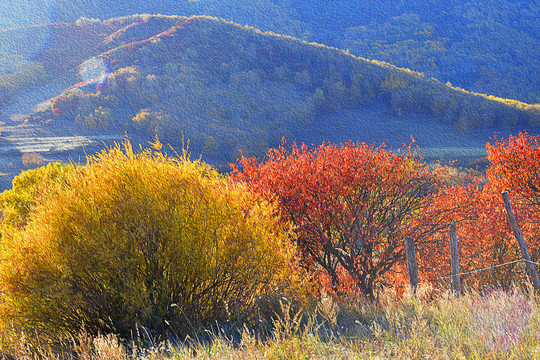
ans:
x=485 y=238
x=351 y=205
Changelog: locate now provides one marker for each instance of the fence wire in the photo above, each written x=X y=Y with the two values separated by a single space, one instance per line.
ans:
x=475 y=271
x=487 y=268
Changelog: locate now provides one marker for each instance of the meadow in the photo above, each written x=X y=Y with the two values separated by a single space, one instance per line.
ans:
x=497 y=324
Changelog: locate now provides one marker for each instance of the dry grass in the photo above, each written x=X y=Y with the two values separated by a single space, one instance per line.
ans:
x=493 y=325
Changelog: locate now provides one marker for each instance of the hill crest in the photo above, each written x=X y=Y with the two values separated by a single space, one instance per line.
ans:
x=226 y=86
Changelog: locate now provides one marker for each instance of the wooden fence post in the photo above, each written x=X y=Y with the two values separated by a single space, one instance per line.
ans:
x=531 y=271
x=454 y=258
x=410 y=253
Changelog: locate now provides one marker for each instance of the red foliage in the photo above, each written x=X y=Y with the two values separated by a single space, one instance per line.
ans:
x=351 y=206
x=57 y=111
x=485 y=237
x=515 y=166
x=65 y=104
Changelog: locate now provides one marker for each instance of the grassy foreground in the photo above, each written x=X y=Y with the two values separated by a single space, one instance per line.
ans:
x=493 y=325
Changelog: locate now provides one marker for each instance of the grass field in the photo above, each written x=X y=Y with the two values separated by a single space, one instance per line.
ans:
x=496 y=324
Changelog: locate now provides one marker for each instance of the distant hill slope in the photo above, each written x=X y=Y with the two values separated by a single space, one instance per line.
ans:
x=265 y=14
x=227 y=87
x=486 y=46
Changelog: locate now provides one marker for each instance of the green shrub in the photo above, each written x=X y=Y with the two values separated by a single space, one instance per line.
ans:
x=139 y=240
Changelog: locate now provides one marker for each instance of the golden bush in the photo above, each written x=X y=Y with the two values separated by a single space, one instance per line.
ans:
x=140 y=240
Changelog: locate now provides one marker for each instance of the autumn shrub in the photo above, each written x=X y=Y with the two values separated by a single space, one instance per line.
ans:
x=485 y=237
x=17 y=202
x=352 y=205
x=514 y=166
x=135 y=240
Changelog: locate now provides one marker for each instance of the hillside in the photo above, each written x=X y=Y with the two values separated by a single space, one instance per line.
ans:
x=489 y=47
x=226 y=87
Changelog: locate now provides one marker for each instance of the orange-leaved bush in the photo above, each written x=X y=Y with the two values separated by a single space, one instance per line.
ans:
x=485 y=237
x=351 y=205
x=140 y=240
x=514 y=166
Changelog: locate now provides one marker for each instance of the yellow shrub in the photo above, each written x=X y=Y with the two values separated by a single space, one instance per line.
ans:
x=16 y=203
x=133 y=240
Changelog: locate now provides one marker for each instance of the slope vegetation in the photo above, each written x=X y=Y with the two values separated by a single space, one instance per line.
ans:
x=227 y=87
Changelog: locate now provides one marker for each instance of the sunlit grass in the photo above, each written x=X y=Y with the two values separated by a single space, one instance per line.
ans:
x=495 y=325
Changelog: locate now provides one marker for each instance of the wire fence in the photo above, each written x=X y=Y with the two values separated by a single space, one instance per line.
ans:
x=454 y=254
x=442 y=278
x=488 y=268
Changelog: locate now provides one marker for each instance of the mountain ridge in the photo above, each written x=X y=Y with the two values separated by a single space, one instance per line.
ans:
x=487 y=47
x=141 y=17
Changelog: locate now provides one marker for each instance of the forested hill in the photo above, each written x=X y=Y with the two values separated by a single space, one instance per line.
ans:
x=227 y=87
x=486 y=46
